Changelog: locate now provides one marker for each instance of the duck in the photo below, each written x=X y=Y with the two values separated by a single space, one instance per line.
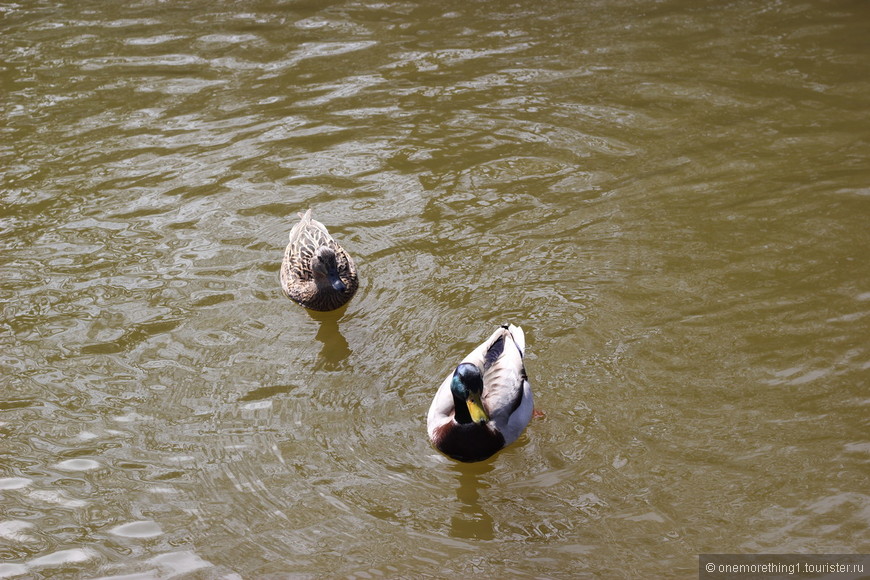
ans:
x=486 y=402
x=316 y=271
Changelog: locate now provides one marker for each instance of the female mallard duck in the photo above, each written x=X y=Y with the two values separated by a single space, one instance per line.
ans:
x=316 y=272
x=487 y=401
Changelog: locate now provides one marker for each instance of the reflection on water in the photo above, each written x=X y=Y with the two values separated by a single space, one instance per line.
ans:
x=472 y=521
x=670 y=199
x=335 y=347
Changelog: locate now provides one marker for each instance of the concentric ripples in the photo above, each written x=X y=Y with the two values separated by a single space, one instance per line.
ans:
x=669 y=198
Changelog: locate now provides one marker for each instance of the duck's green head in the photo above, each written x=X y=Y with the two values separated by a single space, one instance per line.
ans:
x=324 y=267
x=467 y=389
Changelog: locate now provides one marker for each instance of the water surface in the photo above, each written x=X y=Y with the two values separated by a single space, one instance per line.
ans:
x=671 y=198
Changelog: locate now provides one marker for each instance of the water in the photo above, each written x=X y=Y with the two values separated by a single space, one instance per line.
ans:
x=671 y=198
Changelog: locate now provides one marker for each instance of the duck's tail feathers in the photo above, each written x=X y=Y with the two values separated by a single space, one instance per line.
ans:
x=518 y=336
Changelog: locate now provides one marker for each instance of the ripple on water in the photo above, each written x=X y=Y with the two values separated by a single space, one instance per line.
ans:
x=14 y=482
x=14 y=530
x=63 y=557
x=78 y=464
x=183 y=562
x=143 y=529
x=12 y=570
x=55 y=498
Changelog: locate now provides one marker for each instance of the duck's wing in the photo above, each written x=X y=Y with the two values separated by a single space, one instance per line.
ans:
x=507 y=394
x=305 y=238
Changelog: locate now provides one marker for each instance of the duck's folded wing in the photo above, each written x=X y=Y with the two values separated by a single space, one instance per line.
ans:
x=305 y=238
x=504 y=376
x=507 y=392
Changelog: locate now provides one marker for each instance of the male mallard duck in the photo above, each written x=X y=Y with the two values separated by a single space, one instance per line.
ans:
x=316 y=272
x=487 y=401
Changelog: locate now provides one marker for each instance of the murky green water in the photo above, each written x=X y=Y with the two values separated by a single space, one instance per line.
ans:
x=671 y=198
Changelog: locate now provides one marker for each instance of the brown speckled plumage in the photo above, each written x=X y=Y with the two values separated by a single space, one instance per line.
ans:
x=313 y=265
